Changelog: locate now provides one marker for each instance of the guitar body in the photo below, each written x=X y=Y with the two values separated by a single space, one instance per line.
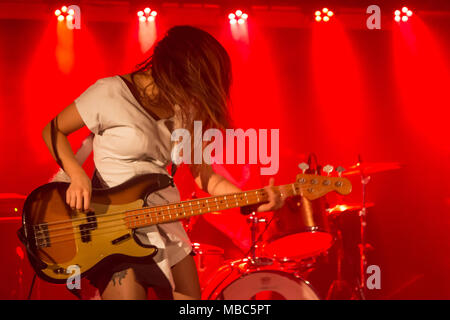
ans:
x=58 y=238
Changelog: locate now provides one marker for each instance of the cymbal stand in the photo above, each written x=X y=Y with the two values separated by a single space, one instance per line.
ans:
x=363 y=246
x=254 y=222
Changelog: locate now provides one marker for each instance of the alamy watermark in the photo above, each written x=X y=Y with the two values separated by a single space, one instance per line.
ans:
x=373 y=281
x=235 y=139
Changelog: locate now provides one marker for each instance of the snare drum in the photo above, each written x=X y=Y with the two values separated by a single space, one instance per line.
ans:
x=300 y=230
x=239 y=280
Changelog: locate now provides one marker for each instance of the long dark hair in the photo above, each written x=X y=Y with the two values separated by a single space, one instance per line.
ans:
x=193 y=70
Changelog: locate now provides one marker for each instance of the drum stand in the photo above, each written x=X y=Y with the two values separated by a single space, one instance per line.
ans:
x=253 y=258
x=363 y=246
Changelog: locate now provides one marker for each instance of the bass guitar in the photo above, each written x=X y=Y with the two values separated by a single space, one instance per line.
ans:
x=58 y=237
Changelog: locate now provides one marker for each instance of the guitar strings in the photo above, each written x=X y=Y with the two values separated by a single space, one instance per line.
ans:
x=142 y=216
x=151 y=210
x=123 y=223
x=74 y=235
x=160 y=206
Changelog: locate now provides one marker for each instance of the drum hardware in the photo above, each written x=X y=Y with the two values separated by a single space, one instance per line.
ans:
x=254 y=221
x=364 y=170
x=208 y=259
x=372 y=167
x=344 y=208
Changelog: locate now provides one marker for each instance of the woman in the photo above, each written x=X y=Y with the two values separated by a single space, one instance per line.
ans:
x=132 y=116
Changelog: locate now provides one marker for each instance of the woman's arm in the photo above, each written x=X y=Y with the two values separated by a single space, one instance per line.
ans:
x=67 y=121
x=215 y=184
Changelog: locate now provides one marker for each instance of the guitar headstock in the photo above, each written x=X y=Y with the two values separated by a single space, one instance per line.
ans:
x=313 y=186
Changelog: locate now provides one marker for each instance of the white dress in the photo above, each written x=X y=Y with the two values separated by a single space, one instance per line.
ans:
x=129 y=142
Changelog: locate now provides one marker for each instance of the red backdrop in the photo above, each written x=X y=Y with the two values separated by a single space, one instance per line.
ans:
x=340 y=93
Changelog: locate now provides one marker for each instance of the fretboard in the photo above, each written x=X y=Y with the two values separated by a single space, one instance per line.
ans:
x=175 y=211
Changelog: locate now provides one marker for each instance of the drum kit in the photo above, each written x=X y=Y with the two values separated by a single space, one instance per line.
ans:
x=286 y=247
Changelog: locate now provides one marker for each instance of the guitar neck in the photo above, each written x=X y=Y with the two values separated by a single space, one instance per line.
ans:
x=148 y=216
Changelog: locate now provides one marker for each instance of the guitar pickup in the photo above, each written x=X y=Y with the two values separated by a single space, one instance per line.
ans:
x=120 y=239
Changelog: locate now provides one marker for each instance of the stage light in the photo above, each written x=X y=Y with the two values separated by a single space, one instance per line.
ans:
x=402 y=15
x=238 y=16
x=327 y=14
x=65 y=13
x=147 y=15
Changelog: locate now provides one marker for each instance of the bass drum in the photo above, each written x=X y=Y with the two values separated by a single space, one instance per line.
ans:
x=237 y=280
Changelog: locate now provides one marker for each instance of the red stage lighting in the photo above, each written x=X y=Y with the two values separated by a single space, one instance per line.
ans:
x=323 y=15
x=64 y=13
x=238 y=16
x=402 y=15
x=147 y=15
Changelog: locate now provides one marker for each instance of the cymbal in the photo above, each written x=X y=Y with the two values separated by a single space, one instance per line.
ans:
x=371 y=167
x=341 y=208
x=12 y=196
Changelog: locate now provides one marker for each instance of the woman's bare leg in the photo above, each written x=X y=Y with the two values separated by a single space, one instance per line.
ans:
x=187 y=285
x=124 y=286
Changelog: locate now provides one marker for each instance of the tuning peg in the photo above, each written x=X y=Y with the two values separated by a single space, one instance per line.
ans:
x=303 y=166
x=339 y=170
x=328 y=169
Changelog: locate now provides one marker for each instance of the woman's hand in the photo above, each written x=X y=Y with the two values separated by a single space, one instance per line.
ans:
x=78 y=195
x=276 y=199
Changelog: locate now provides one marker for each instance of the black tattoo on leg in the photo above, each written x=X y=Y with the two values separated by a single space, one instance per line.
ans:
x=118 y=276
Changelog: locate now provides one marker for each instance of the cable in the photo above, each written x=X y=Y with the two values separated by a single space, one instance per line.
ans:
x=31 y=287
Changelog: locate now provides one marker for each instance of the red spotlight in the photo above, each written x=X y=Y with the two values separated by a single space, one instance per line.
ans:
x=402 y=15
x=147 y=15
x=64 y=13
x=238 y=16
x=323 y=15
